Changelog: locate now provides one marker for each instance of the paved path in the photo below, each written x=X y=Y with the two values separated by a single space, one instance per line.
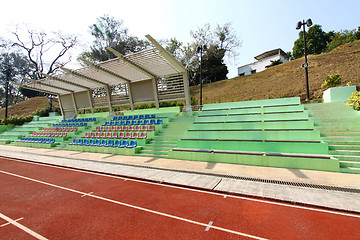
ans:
x=49 y=202
x=211 y=176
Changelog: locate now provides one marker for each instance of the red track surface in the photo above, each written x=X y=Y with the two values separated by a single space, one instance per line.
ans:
x=52 y=203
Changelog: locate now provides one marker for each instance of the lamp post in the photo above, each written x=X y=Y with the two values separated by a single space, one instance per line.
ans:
x=200 y=50
x=305 y=65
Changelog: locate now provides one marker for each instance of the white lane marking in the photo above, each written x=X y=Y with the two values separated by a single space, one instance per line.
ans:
x=208 y=226
x=225 y=196
x=22 y=227
x=193 y=190
x=16 y=220
x=87 y=194
x=136 y=207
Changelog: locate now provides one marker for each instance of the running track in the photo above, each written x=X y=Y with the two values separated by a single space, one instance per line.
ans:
x=46 y=202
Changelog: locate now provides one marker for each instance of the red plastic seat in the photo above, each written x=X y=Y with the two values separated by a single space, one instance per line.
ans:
x=75 y=129
x=115 y=135
x=144 y=128
x=67 y=129
x=71 y=129
x=102 y=128
x=87 y=134
x=108 y=128
x=138 y=128
x=151 y=128
x=119 y=128
x=92 y=135
x=128 y=135
x=125 y=128
x=143 y=135
x=121 y=135
x=56 y=134
x=113 y=128
x=135 y=135
x=97 y=134
x=103 y=135
x=131 y=128
x=108 y=134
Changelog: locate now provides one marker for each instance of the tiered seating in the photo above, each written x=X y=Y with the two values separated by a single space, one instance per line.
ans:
x=72 y=124
x=79 y=120
x=134 y=122
x=105 y=143
x=54 y=132
x=75 y=122
x=266 y=132
x=36 y=142
x=134 y=117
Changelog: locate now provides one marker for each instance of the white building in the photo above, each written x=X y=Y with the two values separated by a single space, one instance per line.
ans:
x=263 y=61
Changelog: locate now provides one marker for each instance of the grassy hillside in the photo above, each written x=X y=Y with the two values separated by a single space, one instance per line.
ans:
x=27 y=107
x=287 y=79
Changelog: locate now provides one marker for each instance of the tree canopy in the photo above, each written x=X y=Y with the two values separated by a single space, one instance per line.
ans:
x=316 y=41
x=110 y=32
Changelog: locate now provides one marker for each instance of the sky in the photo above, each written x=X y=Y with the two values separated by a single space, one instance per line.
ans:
x=261 y=25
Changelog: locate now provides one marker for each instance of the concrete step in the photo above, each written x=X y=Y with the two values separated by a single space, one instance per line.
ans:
x=151 y=155
x=350 y=164
x=350 y=170
x=341 y=142
x=335 y=133
x=344 y=147
x=155 y=152
x=352 y=158
x=345 y=152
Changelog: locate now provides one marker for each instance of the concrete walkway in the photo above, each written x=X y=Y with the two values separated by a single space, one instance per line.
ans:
x=341 y=191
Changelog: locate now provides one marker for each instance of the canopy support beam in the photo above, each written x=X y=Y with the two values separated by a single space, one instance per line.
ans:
x=90 y=101
x=62 y=80
x=103 y=70
x=131 y=64
x=74 y=102
x=48 y=85
x=61 y=108
x=155 y=93
x=35 y=89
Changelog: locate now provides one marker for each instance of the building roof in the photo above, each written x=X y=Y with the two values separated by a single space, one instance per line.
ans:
x=140 y=66
x=271 y=53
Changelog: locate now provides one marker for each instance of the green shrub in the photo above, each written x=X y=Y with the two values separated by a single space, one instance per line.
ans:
x=331 y=81
x=354 y=100
x=15 y=120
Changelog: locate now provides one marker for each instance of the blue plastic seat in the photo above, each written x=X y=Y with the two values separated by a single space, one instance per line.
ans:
x=147 y=116
x=93 y=119
x=107 y=123
x=130 y=117
x=86 y=119
x=159 y=121
x=91 y=142
x=152 y=116
x=133 y=122
x=85 y=124
x=120 y=117
x=110 y=143
x=117 y=123
x=22 y=138
x=103 y=143
x=146 y=122
x=139 y=122
x=135 y=117
x=76 y=124
x=124 y=144
x=117 y=143
x=115 y=118
x=141 y=116
x=132 y=144
x=81 y=124
x=85 y=141
x=122 y=122
x=74 y=142
x=43 y=140
x=128 y=122
x=80 y=142
x=125 y=118
x=112 y=123
x=152 y=121
x=97 y=142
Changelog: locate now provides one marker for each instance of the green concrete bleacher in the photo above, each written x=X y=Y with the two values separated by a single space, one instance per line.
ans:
x=274 y=132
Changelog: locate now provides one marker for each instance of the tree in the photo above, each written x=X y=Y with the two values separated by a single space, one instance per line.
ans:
x=221 y=42
x=316 y=41
x=44 y=51
x=109 y=32
x=341 y=38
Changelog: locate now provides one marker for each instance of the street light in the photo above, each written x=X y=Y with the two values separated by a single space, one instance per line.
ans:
x=305 y=65
x=200 y=50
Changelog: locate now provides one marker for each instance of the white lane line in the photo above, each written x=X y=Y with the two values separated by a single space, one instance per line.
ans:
x=136 y=207
x=208 y=226
x=22 y=227
x=87 y=194
x=16 y=220
x=193 y=190
x=225 y=196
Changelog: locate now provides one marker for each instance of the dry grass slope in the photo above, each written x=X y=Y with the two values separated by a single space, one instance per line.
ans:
x=287 y=79
x=27 y=107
